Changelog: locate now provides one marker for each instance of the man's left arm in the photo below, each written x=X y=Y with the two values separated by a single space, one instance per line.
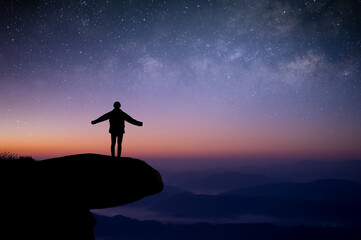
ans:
x=131 y=120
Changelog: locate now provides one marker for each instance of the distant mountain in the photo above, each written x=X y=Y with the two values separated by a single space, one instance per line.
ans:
x=311 y=170
x=176 y=178
x=200 y=181
x=326 y=189
x=167 y=192
x=118 y=227
x=189 y=205
x=221 y=182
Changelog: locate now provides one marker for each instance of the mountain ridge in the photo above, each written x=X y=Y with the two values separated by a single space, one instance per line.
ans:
x=219 y=182
x=322 y=189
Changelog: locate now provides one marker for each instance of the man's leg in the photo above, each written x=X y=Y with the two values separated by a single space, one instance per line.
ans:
x=120 y=140
x=112 y=147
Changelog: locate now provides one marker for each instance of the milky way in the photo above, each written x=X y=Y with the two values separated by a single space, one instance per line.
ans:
x=227 y=74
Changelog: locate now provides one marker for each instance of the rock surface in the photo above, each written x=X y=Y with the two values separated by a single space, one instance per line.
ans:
x=51 y=199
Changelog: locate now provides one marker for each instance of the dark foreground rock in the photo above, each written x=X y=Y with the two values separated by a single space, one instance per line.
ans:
x=51 y=199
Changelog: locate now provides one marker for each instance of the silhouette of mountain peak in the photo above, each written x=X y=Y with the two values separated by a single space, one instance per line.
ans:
x=51 y=199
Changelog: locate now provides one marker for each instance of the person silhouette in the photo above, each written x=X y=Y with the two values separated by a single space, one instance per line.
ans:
x=116 y=119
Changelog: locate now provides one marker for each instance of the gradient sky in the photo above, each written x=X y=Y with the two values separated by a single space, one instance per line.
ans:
x=218 y=81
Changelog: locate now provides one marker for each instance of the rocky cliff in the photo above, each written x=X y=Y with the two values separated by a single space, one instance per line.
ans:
x=51 y=199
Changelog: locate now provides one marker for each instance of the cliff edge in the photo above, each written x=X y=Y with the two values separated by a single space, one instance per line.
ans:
x=51 y=199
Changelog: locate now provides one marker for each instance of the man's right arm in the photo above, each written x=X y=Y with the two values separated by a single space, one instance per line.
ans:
x=101 y=119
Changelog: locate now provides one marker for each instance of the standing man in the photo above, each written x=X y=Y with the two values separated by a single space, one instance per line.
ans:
x=116 y=120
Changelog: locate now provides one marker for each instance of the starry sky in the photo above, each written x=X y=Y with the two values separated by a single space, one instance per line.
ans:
x=216 y=83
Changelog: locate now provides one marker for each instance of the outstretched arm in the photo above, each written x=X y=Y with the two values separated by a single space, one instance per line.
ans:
x=131 y=120
x=101 y=119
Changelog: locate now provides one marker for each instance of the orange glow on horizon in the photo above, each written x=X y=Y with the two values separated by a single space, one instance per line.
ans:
x=182 y=136
x=190 y=142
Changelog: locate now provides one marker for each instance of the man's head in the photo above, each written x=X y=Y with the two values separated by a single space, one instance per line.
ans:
x=116 y=105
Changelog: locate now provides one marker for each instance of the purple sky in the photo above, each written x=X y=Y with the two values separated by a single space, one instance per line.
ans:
x=210 y=80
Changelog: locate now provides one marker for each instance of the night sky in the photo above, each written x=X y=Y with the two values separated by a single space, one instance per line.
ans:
x=224 y=82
